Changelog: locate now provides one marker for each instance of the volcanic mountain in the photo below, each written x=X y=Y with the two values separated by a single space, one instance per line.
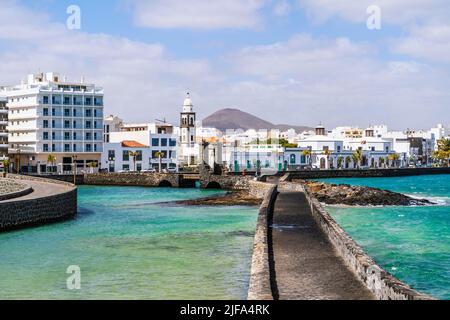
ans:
x=236 y=119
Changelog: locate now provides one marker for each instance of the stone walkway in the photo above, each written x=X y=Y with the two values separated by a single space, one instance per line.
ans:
x=306 y=265
x=41 y=189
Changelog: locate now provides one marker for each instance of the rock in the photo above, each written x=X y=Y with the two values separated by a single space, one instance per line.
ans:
x=240 y=198
x=360 y=196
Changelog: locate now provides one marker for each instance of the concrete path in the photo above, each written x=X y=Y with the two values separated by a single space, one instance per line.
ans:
x=306 y=265
x=40 y=190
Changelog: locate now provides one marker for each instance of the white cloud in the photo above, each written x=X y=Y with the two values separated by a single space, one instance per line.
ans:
x=198 y=14
x=430 y=42
x=303 y=80
x=282 y=7
x=397 y=12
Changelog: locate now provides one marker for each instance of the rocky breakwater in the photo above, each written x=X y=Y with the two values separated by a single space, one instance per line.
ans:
x=345 y=194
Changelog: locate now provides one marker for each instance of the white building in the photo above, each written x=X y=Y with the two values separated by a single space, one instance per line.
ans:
x=256 y=157
x=328 y=152
x=50 y=116
x=111 y=123
x=156 y=141
x=3 y=131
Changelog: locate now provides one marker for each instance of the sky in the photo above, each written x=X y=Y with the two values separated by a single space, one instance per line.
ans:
x=299 y=62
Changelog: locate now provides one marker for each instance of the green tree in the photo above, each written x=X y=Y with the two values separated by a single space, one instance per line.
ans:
x=134 y=155
x=348 y=159
x=160 y=155
x=52 y=160
x=340 y=161
x=394 y=159
x=442 y=155
x=357 y=158
x=5 y=167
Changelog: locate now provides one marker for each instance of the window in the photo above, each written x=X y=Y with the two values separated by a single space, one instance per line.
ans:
x=74 y=112
x=95 y=113
x=88 y=124
x=45 y=147
x=88 y=113
x=53 y=147
x=372 y=148
x=74 y=148
x=293 y=159
x=88 y=101
x=66 y=100
x=45 y=124
x=111 y=155
x=66 y=135
x=125 y=155
x=53 y=112
x=45 y=101
x=67 y=148
x=67 y=124
x=45 y=112
x=163 y=142
x=95 y=124
x=98 y=101
x=53 y=136
x=155 y=142
x=45 y=135
x=66 y=112
x=74 y=124
x=387 y=149
x=338 y=148
x=126 y=167
x=88 y=147
x=95 y=135
x=172 y=142
x=88 y=136
x=53 y=124
x=95 y=147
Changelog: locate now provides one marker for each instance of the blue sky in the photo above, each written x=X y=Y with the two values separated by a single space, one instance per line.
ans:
x=288 y=61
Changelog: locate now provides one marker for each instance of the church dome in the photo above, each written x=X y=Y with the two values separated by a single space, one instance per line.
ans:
x=188 y=101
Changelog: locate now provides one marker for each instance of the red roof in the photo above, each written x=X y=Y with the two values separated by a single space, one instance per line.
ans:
x=132 y=144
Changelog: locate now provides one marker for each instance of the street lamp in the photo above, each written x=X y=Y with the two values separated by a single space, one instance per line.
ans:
x=74 y=160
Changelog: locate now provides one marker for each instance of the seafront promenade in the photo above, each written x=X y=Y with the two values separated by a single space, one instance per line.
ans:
x=39 y=201
x=306 y=265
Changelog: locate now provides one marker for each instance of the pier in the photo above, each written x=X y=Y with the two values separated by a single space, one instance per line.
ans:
x=306 y=266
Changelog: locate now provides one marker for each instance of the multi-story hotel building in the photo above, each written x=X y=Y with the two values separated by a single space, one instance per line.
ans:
x=54 y=124
x=3 y=131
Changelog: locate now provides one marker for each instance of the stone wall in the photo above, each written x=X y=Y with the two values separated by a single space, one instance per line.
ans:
x=19 y=213
x=133 y=179
x=365 y=173
x=260 y=287
x=380 y=282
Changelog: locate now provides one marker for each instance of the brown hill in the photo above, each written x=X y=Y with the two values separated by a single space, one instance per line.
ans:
x=236 y=119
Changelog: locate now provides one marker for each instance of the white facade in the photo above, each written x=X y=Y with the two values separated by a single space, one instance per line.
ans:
x=48 y=116
x=189 y=148
x=152 y=141
x=3 y=131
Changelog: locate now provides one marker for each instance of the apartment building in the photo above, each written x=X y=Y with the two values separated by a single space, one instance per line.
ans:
x=3 y=131
x=54 y=124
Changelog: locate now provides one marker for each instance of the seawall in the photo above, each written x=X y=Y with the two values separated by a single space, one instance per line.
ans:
x=260 y=287
x=50 y=201
x=382 y=284
x=365 y=173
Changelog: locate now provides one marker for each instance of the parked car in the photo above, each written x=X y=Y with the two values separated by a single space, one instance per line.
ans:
x=150 y=170
x=172 y=170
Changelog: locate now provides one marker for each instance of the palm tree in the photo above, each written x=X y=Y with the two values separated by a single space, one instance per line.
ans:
x=340 y=161
x=134 y=155
x=160 y=155
x=394 y=158
x=443 y=153
x=52 y=160
x=307 y=154
x=382 y=162
x=328 y=154
x=92 y=165
x=348 y=159
x=357 y=157
x=5 y=167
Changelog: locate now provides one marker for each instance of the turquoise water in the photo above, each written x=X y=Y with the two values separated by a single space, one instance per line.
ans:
x=412 y=243
x=128 y=247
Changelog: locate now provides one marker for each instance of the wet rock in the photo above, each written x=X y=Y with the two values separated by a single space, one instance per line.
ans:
x=360 y=196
